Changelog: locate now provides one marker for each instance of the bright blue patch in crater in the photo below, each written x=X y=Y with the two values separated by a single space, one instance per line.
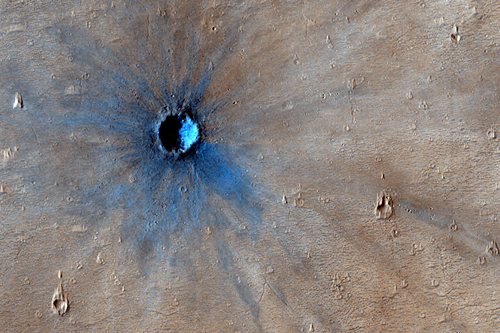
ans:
x=188 y=133
x=177 y=133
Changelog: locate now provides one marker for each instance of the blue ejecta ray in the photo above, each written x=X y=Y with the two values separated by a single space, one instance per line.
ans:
x=205 y=189
x=188 y=133
x=120 y=179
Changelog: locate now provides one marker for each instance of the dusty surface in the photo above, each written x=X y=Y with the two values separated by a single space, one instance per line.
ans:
x=346 y=181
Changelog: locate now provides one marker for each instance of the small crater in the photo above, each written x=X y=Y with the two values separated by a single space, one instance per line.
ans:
x=296 y=60
x=384 y=207
x=288 y=105
x=329 y=42
x=99 y=259
x=72 y=90
x=59 y=301
x=351 y=84
x=493 y=248
x=491 y=134
x=453 y=226
x=423 y=105
x=299 y=201
x=324 y=199
x=455 y=36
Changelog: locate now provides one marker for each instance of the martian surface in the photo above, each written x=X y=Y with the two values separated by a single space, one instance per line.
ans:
x=249 y=166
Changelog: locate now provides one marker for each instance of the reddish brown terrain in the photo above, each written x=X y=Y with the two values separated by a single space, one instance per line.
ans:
x=344 y=178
